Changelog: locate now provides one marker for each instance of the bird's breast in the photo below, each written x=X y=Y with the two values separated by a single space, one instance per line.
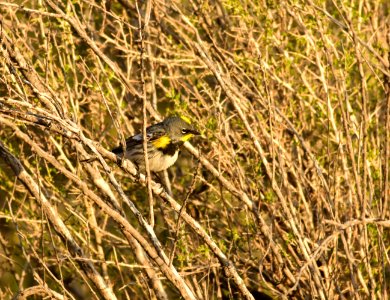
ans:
x=171 y=148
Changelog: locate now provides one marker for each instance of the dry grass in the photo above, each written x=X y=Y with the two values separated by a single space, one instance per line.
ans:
x=286 y=195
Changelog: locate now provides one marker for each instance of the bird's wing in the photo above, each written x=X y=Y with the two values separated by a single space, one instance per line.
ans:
x=153 y=133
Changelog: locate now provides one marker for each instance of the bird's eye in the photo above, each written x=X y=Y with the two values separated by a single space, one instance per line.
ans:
x=184 y=131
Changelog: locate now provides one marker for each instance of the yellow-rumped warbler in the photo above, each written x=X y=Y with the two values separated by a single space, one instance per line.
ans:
x=163 y=142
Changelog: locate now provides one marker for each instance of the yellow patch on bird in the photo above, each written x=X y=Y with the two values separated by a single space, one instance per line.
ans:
x=186 y=137
x=185 y=119
x=161 y=142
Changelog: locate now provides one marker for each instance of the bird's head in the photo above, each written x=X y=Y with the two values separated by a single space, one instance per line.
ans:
x=179 y=129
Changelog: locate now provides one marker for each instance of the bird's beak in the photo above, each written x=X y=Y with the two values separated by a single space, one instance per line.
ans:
x=194 y=132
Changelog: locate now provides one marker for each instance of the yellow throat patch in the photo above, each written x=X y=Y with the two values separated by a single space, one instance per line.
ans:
x=186 y=137
x=161 y=142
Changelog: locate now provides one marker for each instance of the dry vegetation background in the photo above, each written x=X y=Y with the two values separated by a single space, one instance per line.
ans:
x=286 y=195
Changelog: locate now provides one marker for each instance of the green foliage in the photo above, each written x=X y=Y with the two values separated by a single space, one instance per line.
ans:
x=284 y=199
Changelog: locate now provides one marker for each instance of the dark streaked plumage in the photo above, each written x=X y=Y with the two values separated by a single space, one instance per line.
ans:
x=164 y=141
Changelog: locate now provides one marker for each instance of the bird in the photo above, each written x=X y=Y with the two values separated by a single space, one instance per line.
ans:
x=164 y=140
